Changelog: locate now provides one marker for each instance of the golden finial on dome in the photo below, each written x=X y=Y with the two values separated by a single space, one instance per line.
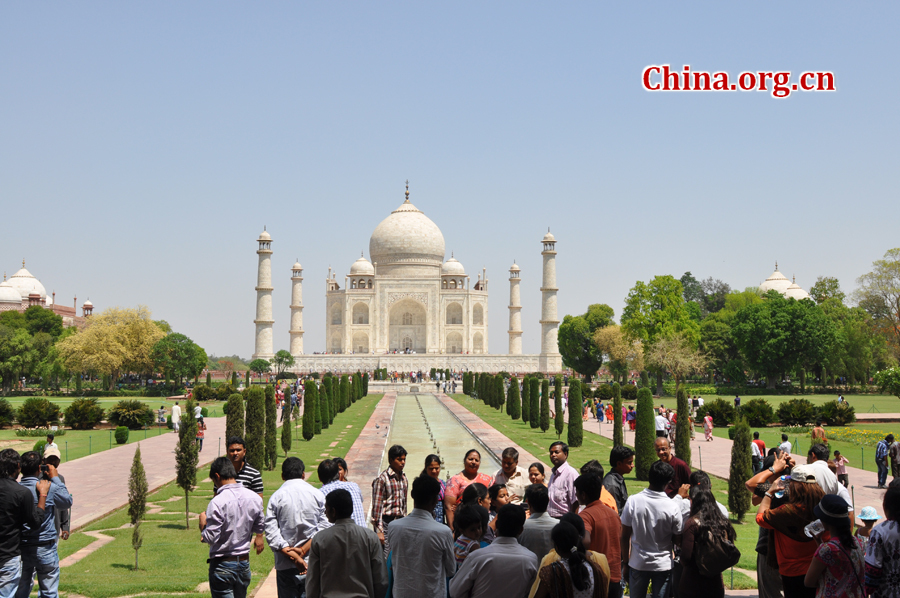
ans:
x=23 y=262
x=407 y=190
x=776 y=265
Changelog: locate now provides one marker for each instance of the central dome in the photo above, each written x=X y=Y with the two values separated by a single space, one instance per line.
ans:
x=407 y=243
x=24 y=282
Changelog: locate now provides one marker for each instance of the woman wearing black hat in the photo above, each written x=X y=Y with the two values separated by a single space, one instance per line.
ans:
x=838 y=567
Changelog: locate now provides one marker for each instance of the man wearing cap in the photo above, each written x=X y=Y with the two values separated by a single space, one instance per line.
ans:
x=882 y=455
x=817 y=459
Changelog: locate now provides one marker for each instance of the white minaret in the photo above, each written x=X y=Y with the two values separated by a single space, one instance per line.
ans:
x=297 y=310
x=515 y=312
x=549 y=317
x=264 y=318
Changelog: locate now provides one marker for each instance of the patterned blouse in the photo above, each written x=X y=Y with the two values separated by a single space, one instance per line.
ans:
x=460 y=482
x=844 y=573
x=883 y=561
x=439 y=507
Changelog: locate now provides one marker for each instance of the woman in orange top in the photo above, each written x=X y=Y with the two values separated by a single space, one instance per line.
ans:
x=794 y=549
x=458 y=483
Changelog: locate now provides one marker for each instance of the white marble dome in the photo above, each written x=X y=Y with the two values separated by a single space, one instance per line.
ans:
x=776 y=282
x=452 y=267
x=362 y=267
x=264 y=236
x=795 y=292
x=548 y=238
x=26 y=284
x=8 y=294
x=407 y=242
x=296 y=266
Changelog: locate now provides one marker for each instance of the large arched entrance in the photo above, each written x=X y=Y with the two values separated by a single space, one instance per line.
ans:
x=407 y=326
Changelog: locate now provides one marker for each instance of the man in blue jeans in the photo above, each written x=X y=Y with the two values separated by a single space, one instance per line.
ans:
x=233 y=517
x=17 y=509
x=651 y=524
x=882 y=451
x=39 y=543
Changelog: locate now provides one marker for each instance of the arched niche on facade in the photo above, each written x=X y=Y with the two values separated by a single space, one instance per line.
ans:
x=336 y=314
x=478 y=343
x=478 y=315
x=454 y=314
x=361 y=342
x=360 y=314
x=454 y=342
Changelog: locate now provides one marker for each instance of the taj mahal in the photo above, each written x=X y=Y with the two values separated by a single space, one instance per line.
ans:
x=407 y=308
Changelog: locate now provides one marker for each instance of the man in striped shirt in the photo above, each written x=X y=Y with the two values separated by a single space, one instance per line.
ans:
x=330 y=476
x=389 y=492
x=247 y=476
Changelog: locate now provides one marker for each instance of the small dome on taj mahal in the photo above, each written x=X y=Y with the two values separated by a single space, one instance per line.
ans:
x=24 y=282
x=795 y=292
x=362 y=267
x=452 y=267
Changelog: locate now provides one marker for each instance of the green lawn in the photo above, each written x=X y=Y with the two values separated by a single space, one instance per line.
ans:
x=172 y=558
x=596 y=447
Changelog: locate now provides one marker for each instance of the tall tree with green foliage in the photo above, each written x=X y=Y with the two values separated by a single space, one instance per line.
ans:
x=576 y=433
x=618 y=432
x=260 y=366
x=320 y=399
x=326 y=394
x=255 y=428
x=526 y=398
x=644 y=435
x=325 y=406
x=740 y=471
x=683 y=427
x=234 y=416
x=576 y=339
x=366 y=384
x=209 y=379
x=545 y=405
x=345 y=392
x=187 y=456
x=498 y=392
x=247 y=380
x=334 y=398
x=310 y=407
x=137 y=501
x=535 y=407
x=234 y=379
x=271 y=428
x=559 y=422
x=286 y=433
x=513 y=402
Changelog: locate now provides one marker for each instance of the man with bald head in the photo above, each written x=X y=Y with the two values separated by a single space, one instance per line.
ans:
x=682 y=471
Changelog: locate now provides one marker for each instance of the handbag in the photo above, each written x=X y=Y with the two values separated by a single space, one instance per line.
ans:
x=716 y=554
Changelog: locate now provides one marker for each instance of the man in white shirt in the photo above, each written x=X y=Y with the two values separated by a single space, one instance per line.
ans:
x=502 y=569
x=785 y=445
x=651 y=524
x=176 y=417
x=422 y=548
x=514 y=477
x=817 y=459
x=757 y=457
x=662 y=425
x=295 y=513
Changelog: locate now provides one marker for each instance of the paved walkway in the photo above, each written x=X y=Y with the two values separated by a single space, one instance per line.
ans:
x=99 y=482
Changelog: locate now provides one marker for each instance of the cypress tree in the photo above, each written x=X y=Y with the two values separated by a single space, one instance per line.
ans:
x=286 y=435
x=137 y=501
x=333 y=392
x=683 y=428
x=209 y=379
x=359 y=389
x=309 y=409
x=741 y=469
x=366 y=384
x=234 y=416
x=325 y=406
x=575 y=435
x=498 y=392
x=271 y=428
x=644 y=435
x=534 y=404
x=618 y=432
x=352 y=388
x=512 y=399
x=186 y=457
x=234 y=379
x=247 y=380
x=559 y=421
x=545 y=405
x=345 y=392
x=318 y=411
x=255 y=426
x=526 y=398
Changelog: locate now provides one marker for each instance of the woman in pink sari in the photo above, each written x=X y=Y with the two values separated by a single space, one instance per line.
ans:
x=708 y=426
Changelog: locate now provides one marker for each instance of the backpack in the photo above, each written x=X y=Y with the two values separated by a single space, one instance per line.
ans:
x=714 y=555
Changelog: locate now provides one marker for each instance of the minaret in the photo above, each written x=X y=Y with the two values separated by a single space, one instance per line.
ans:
x=515 y=312
x=549 y=317
x=297 y=310
x=264 y=319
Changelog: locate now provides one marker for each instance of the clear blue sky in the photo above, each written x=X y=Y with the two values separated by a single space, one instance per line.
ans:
x=143 y=147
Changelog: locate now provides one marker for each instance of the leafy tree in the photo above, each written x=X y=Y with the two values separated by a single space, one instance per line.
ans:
x=345 y=392
x=714 y=293
x=797 y=412
x=526 y=398
x=365 y=385
x=17 y=354
x=534 y=403
x=84 y=414
x=309 y=409
x=623 y=354
x=826 y=287
x=255 y=428
x=692 y=290
x=575 y=432
x=178 y=356
x=740 y=471
x=858 y=343
x=513 y=401
x=14 y=320
x=779 y=334
x=677 y=355
x=889 y=381
x=271 y=428
x=498 y=391
x=37 y=413
x=576 y=339
x=716 y=341
x=559 y=421
x=137 y=501
x=657 y=310
x=234 y=416
x=260 y=366
x=545 y=405
x=131 y=413
x=879 y=294
x=618 y=432
x=7 y=413
x=683 y=427
x=39 y=319
x=282 y=361
x=186 y=458
x=317 y=413
x=644 y=435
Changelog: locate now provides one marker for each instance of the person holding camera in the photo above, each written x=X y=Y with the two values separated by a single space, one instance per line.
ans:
x=39 y=542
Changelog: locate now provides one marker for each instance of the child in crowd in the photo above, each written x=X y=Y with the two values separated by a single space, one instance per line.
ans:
x=840 y=465
x=469 y=523
x=868 y=516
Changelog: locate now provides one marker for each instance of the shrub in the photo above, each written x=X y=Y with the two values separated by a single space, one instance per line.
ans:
x=309 y=405
x=722 y=412
x=559 y=421
x=513 y=402
x=7 y=413
x=683 y=428
x=796 y=412
x=534 y=405
x=84 y=414
x=202 y=392
x=740 y=471
x=234 y=416
x=39 y=446
x=169 y=423
x=121 y=435
x=758 y=413
x=36 y=412
x=204 y=412
x=526 y=398
x=254 y=426
x=837 y=414
x=39 y=432
x=545 y=405
x=576 y=433
x=131 y=413
x=629 y=392
x=224 y=391
x=604 y=392
x=644 y=435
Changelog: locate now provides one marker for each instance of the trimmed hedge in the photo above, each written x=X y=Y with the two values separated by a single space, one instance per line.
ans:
x=131 y=413
x=758 y=413
x=39 y=432
x=722 y=412
x=84 y=414
x=36 y=412
x=797 y=412
x=121 y=435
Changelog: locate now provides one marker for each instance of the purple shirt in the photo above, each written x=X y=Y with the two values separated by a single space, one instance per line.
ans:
x=561 y=488
x=233 y=516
